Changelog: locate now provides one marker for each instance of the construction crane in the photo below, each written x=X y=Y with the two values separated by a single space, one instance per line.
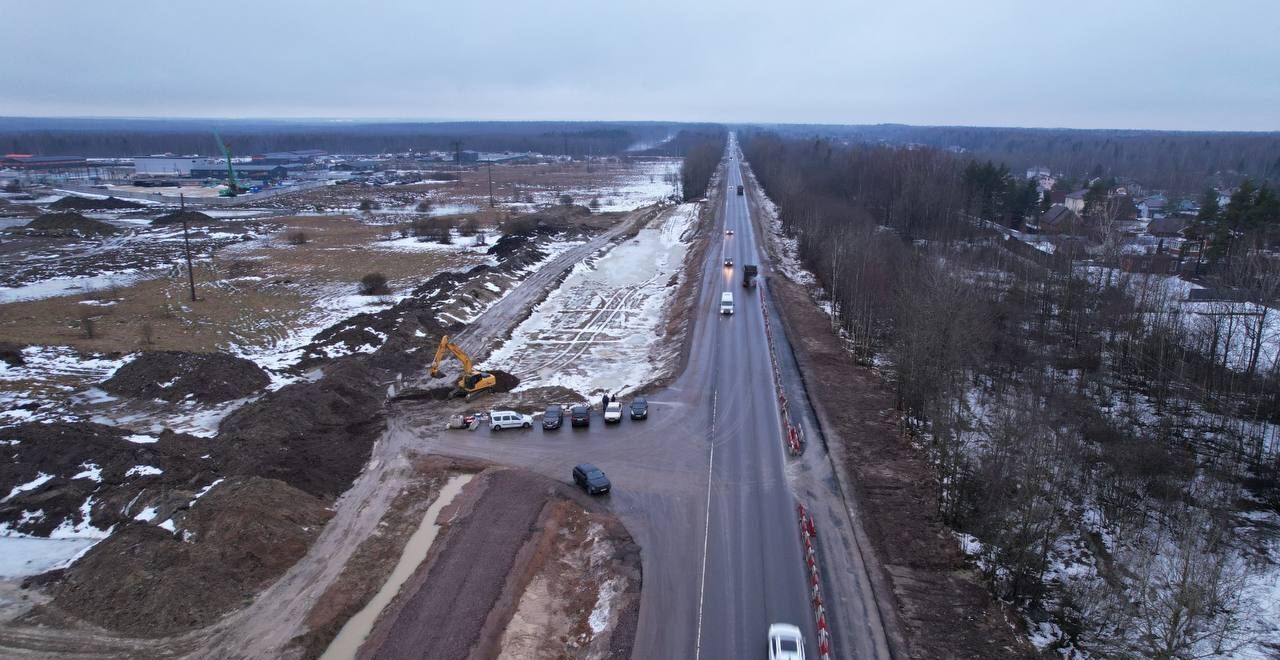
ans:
x=233 y=186
x=471 y=382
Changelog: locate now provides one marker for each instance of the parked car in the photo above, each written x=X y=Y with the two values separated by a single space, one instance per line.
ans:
x=552 y=418
x=591 y=479
x=613 y=412
x=509 y=419
x=785 y=642
x=580 y=415
x=639 y=408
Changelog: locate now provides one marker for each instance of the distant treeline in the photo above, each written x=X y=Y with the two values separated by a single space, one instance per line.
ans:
x=702 y=152
x=1184 y=163
x=128 y=137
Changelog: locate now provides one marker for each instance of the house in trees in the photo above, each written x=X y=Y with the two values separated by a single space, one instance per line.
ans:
x=1170 y=227
x=1153 y=207
x=1075 y=200
x=1060 y=219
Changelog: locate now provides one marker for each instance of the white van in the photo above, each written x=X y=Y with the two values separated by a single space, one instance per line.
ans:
x=726 y=302
x=508 y=419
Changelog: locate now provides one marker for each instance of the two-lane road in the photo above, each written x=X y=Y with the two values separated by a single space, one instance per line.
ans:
x=754 y=567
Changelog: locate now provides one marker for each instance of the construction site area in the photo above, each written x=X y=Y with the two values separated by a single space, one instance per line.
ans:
x=245 y=480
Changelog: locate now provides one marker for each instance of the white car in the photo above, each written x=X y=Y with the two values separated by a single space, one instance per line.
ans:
x=613 y=412
x=509 y=419
x=785 y=642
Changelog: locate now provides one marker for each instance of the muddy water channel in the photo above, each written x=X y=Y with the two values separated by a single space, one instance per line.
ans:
x=347 y=643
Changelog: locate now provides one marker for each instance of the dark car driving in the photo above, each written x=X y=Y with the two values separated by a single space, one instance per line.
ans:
x=580 y=415
x=552 y=418
x=639 y=408
x=591 y=479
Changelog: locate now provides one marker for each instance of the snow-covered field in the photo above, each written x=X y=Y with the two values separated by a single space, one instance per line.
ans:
x=595 y=333
x=651 y=183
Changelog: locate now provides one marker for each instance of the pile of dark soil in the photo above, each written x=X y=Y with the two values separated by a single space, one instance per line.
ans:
x=506 y=381
x=70 y=224
x=146 y=581
x=175 y=376
x=86 y=459
x=72 y=203
x=191 y=217
x=11 y=354
x=314 y=436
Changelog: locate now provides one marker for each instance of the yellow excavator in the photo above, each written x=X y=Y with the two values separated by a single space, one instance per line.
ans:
x=471 y=382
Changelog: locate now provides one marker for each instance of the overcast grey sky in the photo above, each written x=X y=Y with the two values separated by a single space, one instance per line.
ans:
x=1168 y=64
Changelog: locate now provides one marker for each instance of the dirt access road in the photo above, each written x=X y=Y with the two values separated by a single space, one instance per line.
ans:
x=703 y=484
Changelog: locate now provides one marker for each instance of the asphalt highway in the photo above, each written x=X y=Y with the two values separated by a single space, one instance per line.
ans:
x=703 y=485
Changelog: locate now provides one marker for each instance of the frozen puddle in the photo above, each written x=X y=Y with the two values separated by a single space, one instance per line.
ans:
x=353 y=633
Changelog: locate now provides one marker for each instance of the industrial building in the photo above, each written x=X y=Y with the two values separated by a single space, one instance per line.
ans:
x=255 y=172
x=29 y=162
x=167 y=165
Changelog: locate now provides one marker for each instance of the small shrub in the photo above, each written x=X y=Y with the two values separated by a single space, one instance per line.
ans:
x=566 y=200
x=468 y=227
x=88 y=325
x=595 y=204
x=297 y=238
x=522 y=226
x=147 y=333
x=424 y=206
x=374 y=284
x=367 y=205
x=12 y=186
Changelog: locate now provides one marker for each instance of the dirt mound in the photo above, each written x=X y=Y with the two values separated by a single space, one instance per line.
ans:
x=176 y=376
x=315 y=436
x=72 y=203
x=11 y=354
x=506 y=381
x=68 y=466
x=70 y=223
x=191 y=217
x=244 y=533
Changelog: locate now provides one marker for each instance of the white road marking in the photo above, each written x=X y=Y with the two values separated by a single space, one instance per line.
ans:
x=706 y=532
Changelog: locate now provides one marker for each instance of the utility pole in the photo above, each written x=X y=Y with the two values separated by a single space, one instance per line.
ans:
x=491 y=204
x=186 y=242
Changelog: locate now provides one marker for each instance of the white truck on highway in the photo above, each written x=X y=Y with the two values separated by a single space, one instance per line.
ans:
x=726 y=302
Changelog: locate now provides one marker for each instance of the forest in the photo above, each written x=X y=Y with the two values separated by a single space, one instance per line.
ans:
x=1102 y=446
x=139 y=137
x=702 y=150
x=1181 y=163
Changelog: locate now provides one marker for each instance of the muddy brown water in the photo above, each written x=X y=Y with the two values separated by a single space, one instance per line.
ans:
x=347 y=644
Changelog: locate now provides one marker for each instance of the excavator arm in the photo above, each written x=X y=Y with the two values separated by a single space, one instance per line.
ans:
x=471 y=381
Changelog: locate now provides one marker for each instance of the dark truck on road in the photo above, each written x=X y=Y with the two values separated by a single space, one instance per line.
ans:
x=740 y=190
x=749 y=272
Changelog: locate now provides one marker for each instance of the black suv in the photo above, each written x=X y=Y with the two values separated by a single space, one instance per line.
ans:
x=639 y=408
x=552 y=418
x=591 y=479
x=580 y=415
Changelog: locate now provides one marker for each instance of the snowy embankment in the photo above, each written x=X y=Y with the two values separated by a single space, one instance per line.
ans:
x=595 y=333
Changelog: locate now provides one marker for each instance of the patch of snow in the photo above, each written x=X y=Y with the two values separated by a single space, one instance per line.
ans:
x=168 y=524
x=39 y=481
x=599 y=618
x=67 y=286
x=91 y=472
x=595 y=332
x=146 y=515
x=22 y=556
x=142 y=439
x=143 y=471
